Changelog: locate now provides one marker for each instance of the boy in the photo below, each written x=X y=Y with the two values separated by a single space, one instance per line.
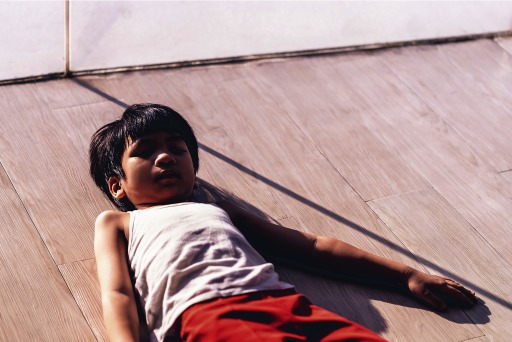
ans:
x=194 y=267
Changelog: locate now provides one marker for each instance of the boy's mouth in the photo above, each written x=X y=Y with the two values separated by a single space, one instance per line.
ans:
x=167 y=174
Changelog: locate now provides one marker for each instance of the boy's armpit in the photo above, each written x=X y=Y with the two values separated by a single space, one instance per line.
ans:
x=268 y=238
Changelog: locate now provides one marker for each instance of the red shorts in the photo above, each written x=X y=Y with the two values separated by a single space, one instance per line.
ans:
x=268 y=316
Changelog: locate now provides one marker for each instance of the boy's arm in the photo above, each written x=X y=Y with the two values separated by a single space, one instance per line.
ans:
x=119 y=307
x=339 y=258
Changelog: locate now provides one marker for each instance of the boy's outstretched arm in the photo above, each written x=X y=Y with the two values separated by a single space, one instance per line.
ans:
x=119 y=307
x=339 y=258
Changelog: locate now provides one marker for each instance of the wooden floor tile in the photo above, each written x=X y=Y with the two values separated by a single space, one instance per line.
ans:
x=429 y=226
x=469 y=86
x=49 y=172
x=81 y=278
x=36 y=304
x=436 y=142
x=68 y=93
x=327 y=100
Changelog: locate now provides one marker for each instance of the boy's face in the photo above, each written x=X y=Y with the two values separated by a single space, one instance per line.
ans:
x=158 y=170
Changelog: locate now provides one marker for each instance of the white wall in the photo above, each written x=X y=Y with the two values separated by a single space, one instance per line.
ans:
x=32 y=37
x=109 y=34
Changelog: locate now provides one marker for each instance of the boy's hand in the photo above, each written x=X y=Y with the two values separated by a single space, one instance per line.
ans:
x=438 y=291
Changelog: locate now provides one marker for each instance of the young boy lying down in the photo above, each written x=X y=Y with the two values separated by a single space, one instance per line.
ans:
x=197 y=267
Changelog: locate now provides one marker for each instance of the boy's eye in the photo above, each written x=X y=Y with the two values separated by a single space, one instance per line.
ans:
x=177 y=150
x=146 y=151
x=142 y=152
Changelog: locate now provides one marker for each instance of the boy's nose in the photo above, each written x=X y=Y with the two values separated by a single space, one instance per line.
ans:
x=165 y=158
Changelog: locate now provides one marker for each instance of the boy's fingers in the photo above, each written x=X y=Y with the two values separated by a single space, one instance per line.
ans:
x=468 y=293
x=459 y=295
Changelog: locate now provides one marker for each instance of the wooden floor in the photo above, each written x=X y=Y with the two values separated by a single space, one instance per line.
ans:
x=405 y=152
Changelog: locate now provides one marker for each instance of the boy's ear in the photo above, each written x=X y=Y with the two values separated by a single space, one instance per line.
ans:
x=114 y=185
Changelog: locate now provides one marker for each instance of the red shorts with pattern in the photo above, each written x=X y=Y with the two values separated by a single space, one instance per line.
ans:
x=268 y=316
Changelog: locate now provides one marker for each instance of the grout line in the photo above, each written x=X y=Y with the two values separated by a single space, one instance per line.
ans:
x=431 y=187
x=474 y=338
x=75 y=261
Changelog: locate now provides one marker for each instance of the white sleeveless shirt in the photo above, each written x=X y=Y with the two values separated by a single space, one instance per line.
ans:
x=182 y=254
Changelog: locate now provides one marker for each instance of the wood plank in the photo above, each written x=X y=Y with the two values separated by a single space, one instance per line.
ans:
x=426 y=223
x=327 y=102
x=36 y=304
x=82 y=280
x=66 y=93
x=456 y=168
x=248 y=154
x=468 y=85
x=49 y=171
x=88 y=118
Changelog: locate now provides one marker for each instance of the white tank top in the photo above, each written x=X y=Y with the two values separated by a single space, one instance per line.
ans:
x=182 y=254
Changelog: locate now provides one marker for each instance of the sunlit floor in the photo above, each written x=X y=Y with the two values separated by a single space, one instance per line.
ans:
x=404 y=152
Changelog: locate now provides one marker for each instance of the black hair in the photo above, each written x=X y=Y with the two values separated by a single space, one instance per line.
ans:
x=110 y=141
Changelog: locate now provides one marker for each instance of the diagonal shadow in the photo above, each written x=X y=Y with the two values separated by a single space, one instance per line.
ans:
x=97 y=91
x=350 y=224
x=318 y=207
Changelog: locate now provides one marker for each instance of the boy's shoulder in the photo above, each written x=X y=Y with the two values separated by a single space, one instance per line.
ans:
x=232 y=209
x=111 y=219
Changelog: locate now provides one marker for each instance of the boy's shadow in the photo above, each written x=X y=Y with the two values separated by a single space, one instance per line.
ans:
x=350 y=298
x=354 y=298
